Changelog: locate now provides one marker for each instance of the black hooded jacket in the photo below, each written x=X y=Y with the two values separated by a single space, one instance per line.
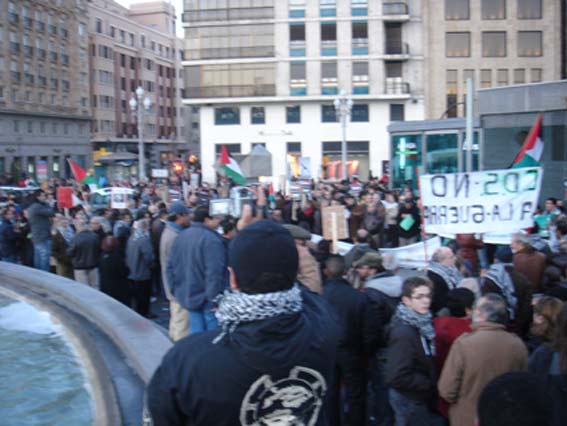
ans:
x=269 y=370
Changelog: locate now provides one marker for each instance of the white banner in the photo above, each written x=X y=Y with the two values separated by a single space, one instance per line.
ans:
x=478 y=202
x=414 y=256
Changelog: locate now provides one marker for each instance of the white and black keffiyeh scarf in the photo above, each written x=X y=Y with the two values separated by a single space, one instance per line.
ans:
x=423 y=323
x=450 y=275
x=498 y=274
x=235 y=307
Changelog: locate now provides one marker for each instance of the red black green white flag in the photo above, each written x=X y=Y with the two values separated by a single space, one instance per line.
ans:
x=532 y=149
x=231 y=167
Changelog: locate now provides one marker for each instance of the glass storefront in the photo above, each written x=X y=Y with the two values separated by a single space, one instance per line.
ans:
x=442 y=153
x=406 y=155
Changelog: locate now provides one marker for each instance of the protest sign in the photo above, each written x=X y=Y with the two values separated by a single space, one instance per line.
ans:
x=334 y=218
x=478 y=202
x=65 y=197
x=119 y=198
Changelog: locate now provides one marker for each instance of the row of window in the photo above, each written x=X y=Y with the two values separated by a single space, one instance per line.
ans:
x=359 y=113
x=41 y=98
x=36 y=21
x=328 y=147
x=129 y=39
x=131 y=61
x=42 y=128
x=494 y=44
x=493 y=9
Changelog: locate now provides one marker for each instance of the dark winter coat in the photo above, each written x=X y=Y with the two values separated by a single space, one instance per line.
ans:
x=197 y=266
x=38 y=218
x=84 y=250
x=409 y=369
x=360 y=331
x=139 y=257
x=275 y=369
x=545 y=363
x=113 y=274
x=8 y=239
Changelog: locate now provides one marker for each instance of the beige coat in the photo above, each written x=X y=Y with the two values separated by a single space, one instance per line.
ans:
x=308 y=272
x=474 y=360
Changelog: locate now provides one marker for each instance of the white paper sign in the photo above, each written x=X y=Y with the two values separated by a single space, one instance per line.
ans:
x=479 y=202
x=119 y=198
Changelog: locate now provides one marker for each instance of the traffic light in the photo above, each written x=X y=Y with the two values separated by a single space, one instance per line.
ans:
x=178 y=167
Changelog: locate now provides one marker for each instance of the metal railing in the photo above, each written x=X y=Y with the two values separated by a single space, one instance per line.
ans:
x=396 y=8
x=396 y=48
x=229 y=91
x=396 y=88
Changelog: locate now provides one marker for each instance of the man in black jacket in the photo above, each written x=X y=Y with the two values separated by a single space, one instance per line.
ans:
x=84 y=251
x=359 y=335
x=39 y=216
x=271 y=361
x=410 y=369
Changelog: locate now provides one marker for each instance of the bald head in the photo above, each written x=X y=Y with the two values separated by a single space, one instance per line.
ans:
x=444 y=256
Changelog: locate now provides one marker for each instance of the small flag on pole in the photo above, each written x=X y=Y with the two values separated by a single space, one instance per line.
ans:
x=532 y=149
x=231 y=167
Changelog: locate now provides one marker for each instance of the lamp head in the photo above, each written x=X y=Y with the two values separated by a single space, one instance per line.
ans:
x=140 y=91
x=133 y=103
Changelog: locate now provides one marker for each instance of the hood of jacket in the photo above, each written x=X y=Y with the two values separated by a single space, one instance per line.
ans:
x=283 y=340
x=387 y=283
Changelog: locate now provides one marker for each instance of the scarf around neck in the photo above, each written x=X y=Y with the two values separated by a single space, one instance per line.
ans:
x=67 y=233
x=236 y=307
x=498 y=274
x=423 y=323
x=450 y=275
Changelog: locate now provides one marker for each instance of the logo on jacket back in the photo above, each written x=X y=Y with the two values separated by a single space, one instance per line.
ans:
x=293 y=400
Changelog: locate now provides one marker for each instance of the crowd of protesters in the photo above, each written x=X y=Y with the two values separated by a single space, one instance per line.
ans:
x=424 y=350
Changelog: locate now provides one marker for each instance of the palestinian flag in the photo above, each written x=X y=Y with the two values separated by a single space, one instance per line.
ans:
x=532 y=149
x=81 y=175
x=231 y=167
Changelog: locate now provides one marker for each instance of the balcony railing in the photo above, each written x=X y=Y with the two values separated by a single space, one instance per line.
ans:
x=14 y=47
x=29 y=78
x=28 y=22
x=28 y=51
x=39 y=26
x=41 y=53
x=396 y=48
x=231 y=91
x=54 y=83
x=14 y=18
x=395 y=8
x=396 y=87
x=42 y=80
x=53 y=56
x=52 y=29
x=15 y=76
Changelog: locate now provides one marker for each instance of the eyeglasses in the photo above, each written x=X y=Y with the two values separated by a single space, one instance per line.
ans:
x=422 y=296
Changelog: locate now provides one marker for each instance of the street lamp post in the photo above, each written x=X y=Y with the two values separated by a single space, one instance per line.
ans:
x=343 y=106
x=139 y=107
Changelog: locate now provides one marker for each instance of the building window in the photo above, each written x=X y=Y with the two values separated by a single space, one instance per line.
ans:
x=293 y=114
x=494 y=44
x=519 y=76
x=227 y=115
x=536 y=75
x=397 y=112
x=359 y=114
x=529 y=9
x=30 y=126
x=329 y=39
x=232 y=148
x=360 y=78
x=360 y=38
x=485 y=79
x=451 y=82
x=457 y=10
x=297 y=76
x=458 y=45
x=493 y=9
x=329 y=78
x=98 y=25
x=502 y=77
x=328 y=114
x=257 y=115
x=529 y=43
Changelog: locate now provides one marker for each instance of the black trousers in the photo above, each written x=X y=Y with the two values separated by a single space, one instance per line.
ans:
x=141 y=292
x=351 y=375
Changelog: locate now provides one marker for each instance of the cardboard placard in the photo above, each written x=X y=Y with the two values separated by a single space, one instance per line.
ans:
x=336 y=215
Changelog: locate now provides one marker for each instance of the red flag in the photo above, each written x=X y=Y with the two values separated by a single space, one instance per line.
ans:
x=78 y=172
x=224 y=160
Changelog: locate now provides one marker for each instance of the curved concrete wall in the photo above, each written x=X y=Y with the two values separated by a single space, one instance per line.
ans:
x=141 y=342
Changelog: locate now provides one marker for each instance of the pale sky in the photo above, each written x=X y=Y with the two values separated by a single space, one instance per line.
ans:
x=178 y=4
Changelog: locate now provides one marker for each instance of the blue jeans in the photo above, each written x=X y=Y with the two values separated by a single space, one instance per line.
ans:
x=203 y=319
x=41 y=255
x=410 y=412
x=380 y=408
